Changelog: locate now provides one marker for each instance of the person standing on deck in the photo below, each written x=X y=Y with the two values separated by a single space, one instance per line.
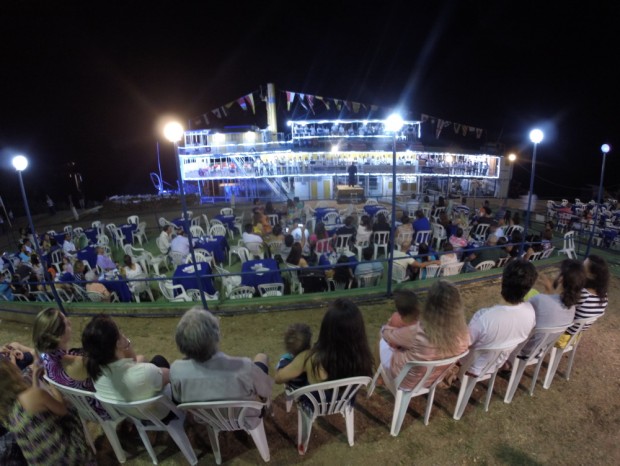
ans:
x=352 y=174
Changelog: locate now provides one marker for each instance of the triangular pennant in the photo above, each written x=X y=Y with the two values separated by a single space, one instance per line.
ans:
x=479 y=133
x=290 y=96
x=206 y=118
x=438 y=128
x=457 y=128
x=356 y=107
x=242 y=104
x=465 y=129
x=301 y=100
x=346 y=104
x=310 y=99
x=325 y=101
x=217 y=113
x=224 y=110
x=250 y=100
x=338 y=104
x=424 y=118
x=230 y=104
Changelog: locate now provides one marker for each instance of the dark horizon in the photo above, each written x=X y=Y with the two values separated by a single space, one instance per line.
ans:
x=90 y=85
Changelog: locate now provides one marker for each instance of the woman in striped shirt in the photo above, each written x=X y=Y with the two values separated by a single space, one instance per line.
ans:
x=593 y=299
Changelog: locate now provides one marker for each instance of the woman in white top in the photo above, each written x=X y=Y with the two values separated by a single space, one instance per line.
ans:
x=131 y=269
x=364 y=229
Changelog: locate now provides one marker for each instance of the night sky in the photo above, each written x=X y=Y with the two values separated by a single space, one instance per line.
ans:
x=90 y=85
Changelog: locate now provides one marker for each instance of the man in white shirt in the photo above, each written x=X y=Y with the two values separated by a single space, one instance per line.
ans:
x=252 y=241
x=165 y=237
x=505 y=325
x=180 y=244
x=68 y=247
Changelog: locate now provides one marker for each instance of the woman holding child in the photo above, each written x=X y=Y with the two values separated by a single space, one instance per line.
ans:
x=341 y=350
x=437 y=331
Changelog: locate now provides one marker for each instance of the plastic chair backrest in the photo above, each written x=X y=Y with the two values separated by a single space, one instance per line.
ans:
x=222 y=415
x=226 y=211
x=485 y=265
x=381 y=237
x=217 y=230
x=448 y=270
x=368 y=280
x=241 y=292
x=271 y=289
x=331 y=218
x=197 y=231
x=422 y=236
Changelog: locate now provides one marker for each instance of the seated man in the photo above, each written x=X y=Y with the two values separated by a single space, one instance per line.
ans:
x=165 y=237
x=68 y=247
x=421 y=223
x=104 y=262
x=368 y=266
x=180 y=244
x=252 y=241
x=94 y=285
x=480 y=255
x=207 y=374
x=505 y=325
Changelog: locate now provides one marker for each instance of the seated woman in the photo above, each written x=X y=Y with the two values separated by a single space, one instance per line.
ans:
x=260 y=224
x=341 y=350
x=457 y=241
x=207 y=374
x=364 y=229
x=555 y=306
x=423 y=260
x=104 y=262
x=295 y=256
x=46 y=244
x=593 y=300
x=404 y=230
x=343 y=275
x=381 y=224
x=47 y=431
x=320 y=233
x=130 y=270
x=441 y=332
x=119 y=373
x=94 y=285
x=448 y=256
x=18 y=354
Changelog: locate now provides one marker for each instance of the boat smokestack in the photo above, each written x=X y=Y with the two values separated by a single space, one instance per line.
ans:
x=272 y=122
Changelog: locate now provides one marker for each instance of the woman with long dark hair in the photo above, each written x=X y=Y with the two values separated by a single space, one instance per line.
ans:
x=556 y=306
x=341 y=350
x=119 y=373
x=593 y=297
x=295 y=256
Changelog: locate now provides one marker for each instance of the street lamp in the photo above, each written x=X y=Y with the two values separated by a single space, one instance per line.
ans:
x=393 y=124
x=605 y=148
x=20 y=163
x=173 y=132
x=536 y=136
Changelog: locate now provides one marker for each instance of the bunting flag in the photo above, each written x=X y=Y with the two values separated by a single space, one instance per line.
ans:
x=478 y=133
x=465 y=129
x=223 y=110
x=356 y=107
x=346 y=104
x=325 y=101
x=457 y=127
x=242 y=104
x=250 y=100
x=217 y=113
x=230 y=104
x=290 y=96
x=439 y=127
x=301 y=100
x=338 y=104
x=424 y=118
x=310 y=99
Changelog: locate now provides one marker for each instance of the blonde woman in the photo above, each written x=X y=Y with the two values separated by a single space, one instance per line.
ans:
x=440 y=333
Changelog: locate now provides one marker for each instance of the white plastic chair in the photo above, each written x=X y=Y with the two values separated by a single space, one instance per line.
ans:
x=196 y=231
x=244 y=254
x=325 y=399
x=234 y=249
x=430 y=271
x=485 y=265
x=228 y=416
x=480 y=232
x=295 y=283
x=275 y=247
x=555 y=355
x=255 y=249
x=155 y=261
x=546 y=338
x=133 y=219
x=569 y=245
x=323 y=246
x=502 y=261
x=138 y=287
x=79 y=399
x=448 y=270
x=368 y=280
x=241 y=292
x=438 y=369
x=371 y=202
x=274 y=219
x=97 y=297
x=439 y=235
x=331 y=218
x=169 y=290
x=342 y=243
x=510 y=230
x=422 y=236
x=488 y=372
x=177 y=258
x=360 y=246
x=271 y=289
x=217 y=229
x=399 y=273
x=144 y=410
x=381 y=240
x=139 y=233
x=227 y=211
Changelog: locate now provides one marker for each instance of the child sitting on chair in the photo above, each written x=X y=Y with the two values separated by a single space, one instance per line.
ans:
x=297 y=338
x=407 y=309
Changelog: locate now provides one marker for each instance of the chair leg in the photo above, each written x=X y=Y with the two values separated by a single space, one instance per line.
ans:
x=109 y=429
x=260 y=440
x=89 y=438
x=304 y=429
x=554 y=361
x=147 y=443
x=429 y=404
x=571 y=359
x=490 y=390
x=401 y=403
x=467 y=387
x=518 y=366
x=536 y=372
x=349 y=416
x=177 y=432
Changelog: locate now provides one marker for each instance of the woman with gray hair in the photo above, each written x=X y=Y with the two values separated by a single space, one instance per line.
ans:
x=207 y=374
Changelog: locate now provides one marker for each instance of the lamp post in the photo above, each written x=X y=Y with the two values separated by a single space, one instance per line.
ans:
x=536 y=136
x=20 y=163
x=605 y=148
x=173 y=131
x=393 y=123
